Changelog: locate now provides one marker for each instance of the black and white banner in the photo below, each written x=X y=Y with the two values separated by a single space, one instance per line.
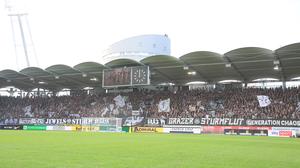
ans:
x=181 y=121
x=263 y=100
x=30 y=121
x=133 y=120
x=11 y=121
x=136 y=120
x=229 y=122
x=155 y=122
x=62 y=121
x=164 y=105
x=279 y=123
x=11 y=127
x=206 y=121
x=222 y=121
x=101 y=121
x=95 y=121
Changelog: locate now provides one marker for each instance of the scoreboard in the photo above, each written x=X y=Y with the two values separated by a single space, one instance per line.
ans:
x=126 y=76
x=116 y=77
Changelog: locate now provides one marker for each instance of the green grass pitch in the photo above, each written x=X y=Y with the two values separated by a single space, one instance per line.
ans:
x=40 y=149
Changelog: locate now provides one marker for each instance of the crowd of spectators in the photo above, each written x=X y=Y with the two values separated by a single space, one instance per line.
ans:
x=233 y=103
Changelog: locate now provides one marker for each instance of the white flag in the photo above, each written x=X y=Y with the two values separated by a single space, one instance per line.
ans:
x=27 y=111
x=263 y=100
x=164 y=105
x=135 y=112
x=192 y=107
x=111 y=107
x=105 y=111
x=119 y=101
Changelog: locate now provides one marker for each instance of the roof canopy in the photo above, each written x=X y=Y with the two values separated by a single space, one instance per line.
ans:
x=244 y=64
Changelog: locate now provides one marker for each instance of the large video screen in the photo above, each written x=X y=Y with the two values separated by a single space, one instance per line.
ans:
x=117 y=77
x=127 y=76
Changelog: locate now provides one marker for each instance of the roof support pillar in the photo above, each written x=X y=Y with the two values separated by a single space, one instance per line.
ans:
x=235 y=68
x=283 y=85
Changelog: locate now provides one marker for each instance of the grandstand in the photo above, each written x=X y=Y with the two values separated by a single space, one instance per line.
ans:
x=211 y=99
x=242 y=64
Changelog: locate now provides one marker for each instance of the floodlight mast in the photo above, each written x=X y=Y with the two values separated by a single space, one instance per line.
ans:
x=17 y=18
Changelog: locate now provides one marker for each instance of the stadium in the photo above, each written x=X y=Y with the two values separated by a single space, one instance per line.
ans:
x=152 y=96
x=141 y=107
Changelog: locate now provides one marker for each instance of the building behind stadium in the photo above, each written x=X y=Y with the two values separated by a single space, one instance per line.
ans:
x=138 y=48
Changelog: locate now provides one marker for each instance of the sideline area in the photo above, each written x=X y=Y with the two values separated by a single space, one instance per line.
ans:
x=93 y=149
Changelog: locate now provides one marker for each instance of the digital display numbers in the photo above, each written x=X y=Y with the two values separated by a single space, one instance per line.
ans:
x=127 y=76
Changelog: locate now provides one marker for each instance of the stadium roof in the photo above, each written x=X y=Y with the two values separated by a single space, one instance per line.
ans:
x=244 y=64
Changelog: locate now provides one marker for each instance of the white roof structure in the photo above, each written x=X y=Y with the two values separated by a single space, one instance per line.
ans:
x=244 y=64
